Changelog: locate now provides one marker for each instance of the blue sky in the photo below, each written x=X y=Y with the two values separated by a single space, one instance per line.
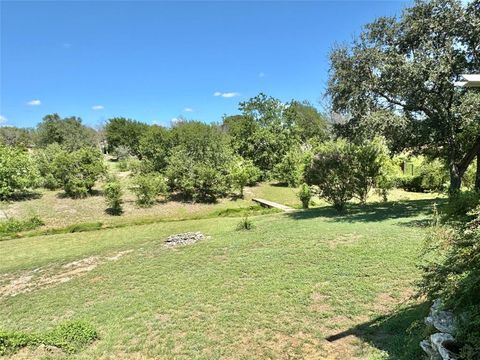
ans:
x=154 y=61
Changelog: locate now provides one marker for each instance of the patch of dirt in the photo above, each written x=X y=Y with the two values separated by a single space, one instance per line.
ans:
x=39 y=352
x=319 y=303
x=385 y=302
x=260 y=344
x=345 y=239
x=344 y=348
x=27 y=281
x=126 y=356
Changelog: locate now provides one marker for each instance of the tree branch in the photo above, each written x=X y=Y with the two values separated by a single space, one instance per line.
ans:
x=469 y=156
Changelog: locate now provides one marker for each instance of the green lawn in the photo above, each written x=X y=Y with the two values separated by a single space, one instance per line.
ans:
x=278 y=291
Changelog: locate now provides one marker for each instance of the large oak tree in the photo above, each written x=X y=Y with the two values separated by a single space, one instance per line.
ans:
x=408 y=66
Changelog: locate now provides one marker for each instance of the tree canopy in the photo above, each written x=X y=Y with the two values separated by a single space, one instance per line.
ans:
x=68 y=132
x=267 y=129
x=407 y=66
x=125 y=132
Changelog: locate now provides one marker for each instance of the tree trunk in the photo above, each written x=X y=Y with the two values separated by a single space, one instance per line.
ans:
x=455 y=178
x=457 y=170
x=477 y=175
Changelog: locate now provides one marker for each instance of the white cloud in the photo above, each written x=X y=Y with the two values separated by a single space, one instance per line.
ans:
x=3 y=119
x=34 y=102
x=188 y=109
x=226 y=94
x=98 y=107
x=175 y=120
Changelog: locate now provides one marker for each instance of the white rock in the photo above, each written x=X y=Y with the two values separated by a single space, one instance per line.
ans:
x=443 y=321
x=440 y=342
x=428 y=349
x=184 y=239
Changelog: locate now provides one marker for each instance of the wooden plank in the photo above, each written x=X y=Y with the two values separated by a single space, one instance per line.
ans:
x=272 y=204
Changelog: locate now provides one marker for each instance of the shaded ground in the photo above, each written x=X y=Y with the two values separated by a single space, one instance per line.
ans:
x=397 y=334
x=377 y=212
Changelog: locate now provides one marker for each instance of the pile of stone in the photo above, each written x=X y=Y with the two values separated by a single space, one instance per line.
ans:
x=441 y=345
x=184 y=239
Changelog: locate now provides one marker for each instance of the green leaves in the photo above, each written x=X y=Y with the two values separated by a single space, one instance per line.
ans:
x=343 y=170
x=70 y=337
x=125 y=132
x=79 y=170
x=68 y=132
x=407 y=67
x=268 y=129
x=147 y=188
x=113 y=196
x=17 y=172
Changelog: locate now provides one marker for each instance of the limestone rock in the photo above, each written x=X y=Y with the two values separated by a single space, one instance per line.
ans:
x=443 y=321
x=432 y=354
x=443 y=344
x=184 y=239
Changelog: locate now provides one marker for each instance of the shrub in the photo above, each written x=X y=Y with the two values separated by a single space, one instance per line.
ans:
x=45 y=160
x=434 y=176
x=113 y=196
x=291 y=168
x=17 y=172
x=243 y=172
x=136 y=166
x=71 y=337
x=411 y=183
x=344 y=170
x=387 y=179
x=368 y=161
x=12 y=226
x=11 y=342
x=305 y=194
x=451 y=271
x=199 y=179
x=424 y=175
x=79 y=170
x=147 y=188
x=245 y=224
x=122 y=152
x=460 y=205
x=331 y=171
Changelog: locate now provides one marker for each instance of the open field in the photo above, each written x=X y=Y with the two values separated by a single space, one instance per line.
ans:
x=58 y=211
x=278 y=291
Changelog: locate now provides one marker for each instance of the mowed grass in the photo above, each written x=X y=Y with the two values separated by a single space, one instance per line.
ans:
x=306 y=285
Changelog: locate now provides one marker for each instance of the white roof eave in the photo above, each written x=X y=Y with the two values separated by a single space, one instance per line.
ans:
x=470 y=81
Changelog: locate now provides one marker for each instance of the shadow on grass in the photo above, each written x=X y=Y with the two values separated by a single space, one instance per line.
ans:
x=398 y=334
x=375 y=212
x=24 y=196
x=91 y=193
x=177 y=197
x=279 y=184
